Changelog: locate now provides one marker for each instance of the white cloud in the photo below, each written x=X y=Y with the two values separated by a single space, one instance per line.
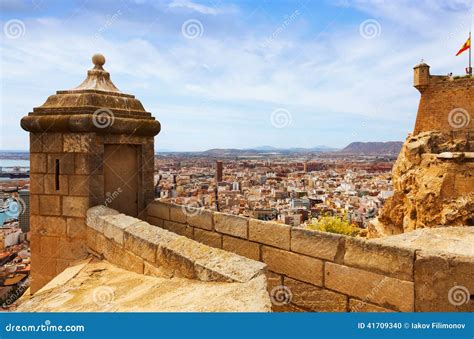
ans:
x=331 y=83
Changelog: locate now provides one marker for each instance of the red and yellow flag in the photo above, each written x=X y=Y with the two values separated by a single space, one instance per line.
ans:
x=465 y=47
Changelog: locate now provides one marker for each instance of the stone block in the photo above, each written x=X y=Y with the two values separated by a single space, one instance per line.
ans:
x=231 y=225
x=157 y=271
x=34 y=204
x=45 y=266
x=180 y=255
x=315 y=298
x=78 y=143
x=36 y=144
x=181 y=229
x=287 y=308
x=76 y=227
x=72 y=249
x=75 y=206
x=155 y=221
x=393 y=261
x=82 y=163
x=159 y=210
x=122 y=258
x=356 y=305
x=50 y=184
x=38 y=163
x=79 y=185
x=95 y=240
x=199 y=218
x=50 y=205
x=317 y=244
x=270 y=233
x=144 y=239
x=294 y=265
x=219 y=265
x=66 y=163
x=50 y=226
x=177 y=213
x=36 y=183
x=52 y=142
x=115 y=225
x=194 y=260
x=241 y=247
x=274 y=280
x=94 y=217
x=370 y=287
x=49 y=247
x=208 y=238
x=444 y=282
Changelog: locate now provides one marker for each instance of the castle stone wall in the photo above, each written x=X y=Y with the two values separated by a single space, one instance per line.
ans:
x=446 y=105
x=324 y=271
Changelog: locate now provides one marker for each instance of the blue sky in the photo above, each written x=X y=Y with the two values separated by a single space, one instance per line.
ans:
x=236 y=74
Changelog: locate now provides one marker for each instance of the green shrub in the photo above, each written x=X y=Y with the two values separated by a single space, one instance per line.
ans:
x=333 y=224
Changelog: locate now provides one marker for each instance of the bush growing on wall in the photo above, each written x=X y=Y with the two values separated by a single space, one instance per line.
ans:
x=333 y=224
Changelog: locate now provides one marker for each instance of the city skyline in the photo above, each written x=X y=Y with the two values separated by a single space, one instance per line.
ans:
x=236 y=74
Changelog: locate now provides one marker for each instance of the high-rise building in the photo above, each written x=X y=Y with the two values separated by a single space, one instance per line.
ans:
x=219 y=168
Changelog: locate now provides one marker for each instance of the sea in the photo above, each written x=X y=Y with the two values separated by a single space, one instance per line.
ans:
x=12 y=211
x=14 y=163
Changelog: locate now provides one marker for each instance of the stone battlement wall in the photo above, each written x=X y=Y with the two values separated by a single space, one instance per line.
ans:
x=446 y=105
x=324 y=271
x=137 y=246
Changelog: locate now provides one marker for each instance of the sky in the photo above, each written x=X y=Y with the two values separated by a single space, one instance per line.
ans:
x=236 y=74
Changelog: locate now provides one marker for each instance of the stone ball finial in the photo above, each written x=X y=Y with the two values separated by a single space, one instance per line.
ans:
x=98 y=60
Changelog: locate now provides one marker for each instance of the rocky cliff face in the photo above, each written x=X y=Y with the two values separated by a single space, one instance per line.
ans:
x=433 y=179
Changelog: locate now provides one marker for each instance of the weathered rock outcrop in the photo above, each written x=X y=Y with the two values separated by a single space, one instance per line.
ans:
x=433 y=179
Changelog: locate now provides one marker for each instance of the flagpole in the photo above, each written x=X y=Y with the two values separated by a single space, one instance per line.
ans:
x=469 y=70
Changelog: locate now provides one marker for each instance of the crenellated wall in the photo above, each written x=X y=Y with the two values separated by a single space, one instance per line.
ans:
x=330 y=272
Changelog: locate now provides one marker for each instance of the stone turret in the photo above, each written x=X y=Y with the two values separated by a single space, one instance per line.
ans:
x=91 y=145
x=421 y=78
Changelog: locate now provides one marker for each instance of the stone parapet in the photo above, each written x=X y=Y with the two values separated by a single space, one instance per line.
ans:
x=134 y=244
x=319 y=271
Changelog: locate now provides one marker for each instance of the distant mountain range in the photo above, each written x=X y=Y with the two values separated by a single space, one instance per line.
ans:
x=266 y=150
x=355 y=148
x=373 y=148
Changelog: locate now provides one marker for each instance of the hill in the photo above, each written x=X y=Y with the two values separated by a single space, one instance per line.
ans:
x=373 y=148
